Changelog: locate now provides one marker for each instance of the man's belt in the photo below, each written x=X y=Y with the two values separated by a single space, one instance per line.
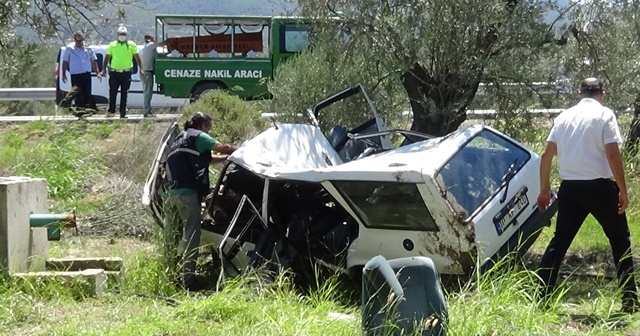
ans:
x=121 y=70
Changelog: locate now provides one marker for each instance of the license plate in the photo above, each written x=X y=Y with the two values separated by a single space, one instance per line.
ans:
x=509 y=214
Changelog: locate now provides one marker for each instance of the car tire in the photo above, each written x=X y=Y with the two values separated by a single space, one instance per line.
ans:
x=63 y=99
x=205 y=87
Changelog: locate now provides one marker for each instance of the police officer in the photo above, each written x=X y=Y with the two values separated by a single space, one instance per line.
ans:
x=119 y=58
x=188 y=181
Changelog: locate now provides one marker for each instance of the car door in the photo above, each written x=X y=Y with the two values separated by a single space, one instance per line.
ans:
x=153 y=192
x=395 y=222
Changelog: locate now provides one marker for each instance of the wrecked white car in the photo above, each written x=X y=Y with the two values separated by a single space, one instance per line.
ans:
x=297 y=193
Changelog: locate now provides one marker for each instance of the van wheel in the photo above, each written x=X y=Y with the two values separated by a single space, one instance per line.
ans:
x=205 y=87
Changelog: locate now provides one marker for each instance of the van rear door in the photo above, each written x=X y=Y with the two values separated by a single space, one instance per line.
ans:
x=62 y=89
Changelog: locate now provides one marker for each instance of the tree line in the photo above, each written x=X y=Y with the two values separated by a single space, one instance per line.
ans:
x=429 y=55
x=433 y=55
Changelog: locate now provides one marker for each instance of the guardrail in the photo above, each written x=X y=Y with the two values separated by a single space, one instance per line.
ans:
x=33 y=94
x=9 y=94
x=49 y=93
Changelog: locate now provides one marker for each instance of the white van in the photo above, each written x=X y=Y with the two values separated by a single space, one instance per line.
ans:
x=100 y=88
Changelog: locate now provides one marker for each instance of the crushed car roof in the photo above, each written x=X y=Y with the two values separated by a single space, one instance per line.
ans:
x=285 y=149
x=301 y=152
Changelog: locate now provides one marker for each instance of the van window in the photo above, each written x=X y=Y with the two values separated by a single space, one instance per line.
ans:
x=294 y=37
x=100 y=58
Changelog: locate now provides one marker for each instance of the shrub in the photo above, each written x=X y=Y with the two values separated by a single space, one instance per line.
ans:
x=233 y=119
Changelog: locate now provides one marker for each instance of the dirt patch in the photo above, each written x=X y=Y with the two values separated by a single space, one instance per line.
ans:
x=81 y=247
x=591 y=263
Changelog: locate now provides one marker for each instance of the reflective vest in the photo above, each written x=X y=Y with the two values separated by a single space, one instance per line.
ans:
x=186 y=167
x=122 y=54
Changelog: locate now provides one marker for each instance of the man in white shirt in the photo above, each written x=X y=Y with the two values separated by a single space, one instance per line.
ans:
x=585 y=138
x=148 y=56
x=79 y=60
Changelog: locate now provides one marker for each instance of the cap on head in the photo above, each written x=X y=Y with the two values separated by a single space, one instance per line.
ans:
x=148 y=37
x=122 y=30
x=78 y=36
x=591 y=85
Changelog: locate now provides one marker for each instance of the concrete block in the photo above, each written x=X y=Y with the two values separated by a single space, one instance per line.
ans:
x=92 y=282
x=115 y=279
x=113 y=267
x=38 y=249
x=19 y=197
x=78 y=264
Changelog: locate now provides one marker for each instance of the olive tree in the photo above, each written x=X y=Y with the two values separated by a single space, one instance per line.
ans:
x=607 y=46
x=29 y=30
x=333 y=63
x=440 y=51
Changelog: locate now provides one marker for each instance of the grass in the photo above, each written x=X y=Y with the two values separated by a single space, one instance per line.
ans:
x=108 y=163
x=146 y=306
x=499 y=303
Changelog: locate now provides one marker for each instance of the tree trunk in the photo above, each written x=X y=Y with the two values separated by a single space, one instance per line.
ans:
x=440 y=104
x=631 y=146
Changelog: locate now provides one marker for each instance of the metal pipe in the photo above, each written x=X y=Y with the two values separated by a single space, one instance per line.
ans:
x=53 y=223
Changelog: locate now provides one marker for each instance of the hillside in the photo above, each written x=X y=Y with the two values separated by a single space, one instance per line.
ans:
x=225 y=7
x=140 y=17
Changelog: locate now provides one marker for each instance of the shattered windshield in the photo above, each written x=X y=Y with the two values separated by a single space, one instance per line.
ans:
x=388 y=205
x=477 y=171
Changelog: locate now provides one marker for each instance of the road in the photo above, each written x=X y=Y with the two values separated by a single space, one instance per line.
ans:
x=133 y=118
x=96 y=118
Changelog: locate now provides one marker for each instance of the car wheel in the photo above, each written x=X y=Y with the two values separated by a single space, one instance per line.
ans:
x=63 y=99
x=205 y=87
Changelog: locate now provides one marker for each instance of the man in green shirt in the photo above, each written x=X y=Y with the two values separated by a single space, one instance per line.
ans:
x=119 y=59
x=187 y=174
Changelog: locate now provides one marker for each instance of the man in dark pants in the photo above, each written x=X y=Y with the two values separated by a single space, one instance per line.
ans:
x=149 y=54
x=585 y=138
x=188 y=181
x=119 y=58
x=79 y=60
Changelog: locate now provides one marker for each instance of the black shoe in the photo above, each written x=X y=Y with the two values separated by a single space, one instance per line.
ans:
x=123 y=117
x=197 y=286
x=630 y=308
x=630 y=303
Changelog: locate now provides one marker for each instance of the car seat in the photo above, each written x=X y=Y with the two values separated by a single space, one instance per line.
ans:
x=338 y=137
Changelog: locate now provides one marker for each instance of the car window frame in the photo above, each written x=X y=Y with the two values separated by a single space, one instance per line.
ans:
x=364 y=218
x=438 y=177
